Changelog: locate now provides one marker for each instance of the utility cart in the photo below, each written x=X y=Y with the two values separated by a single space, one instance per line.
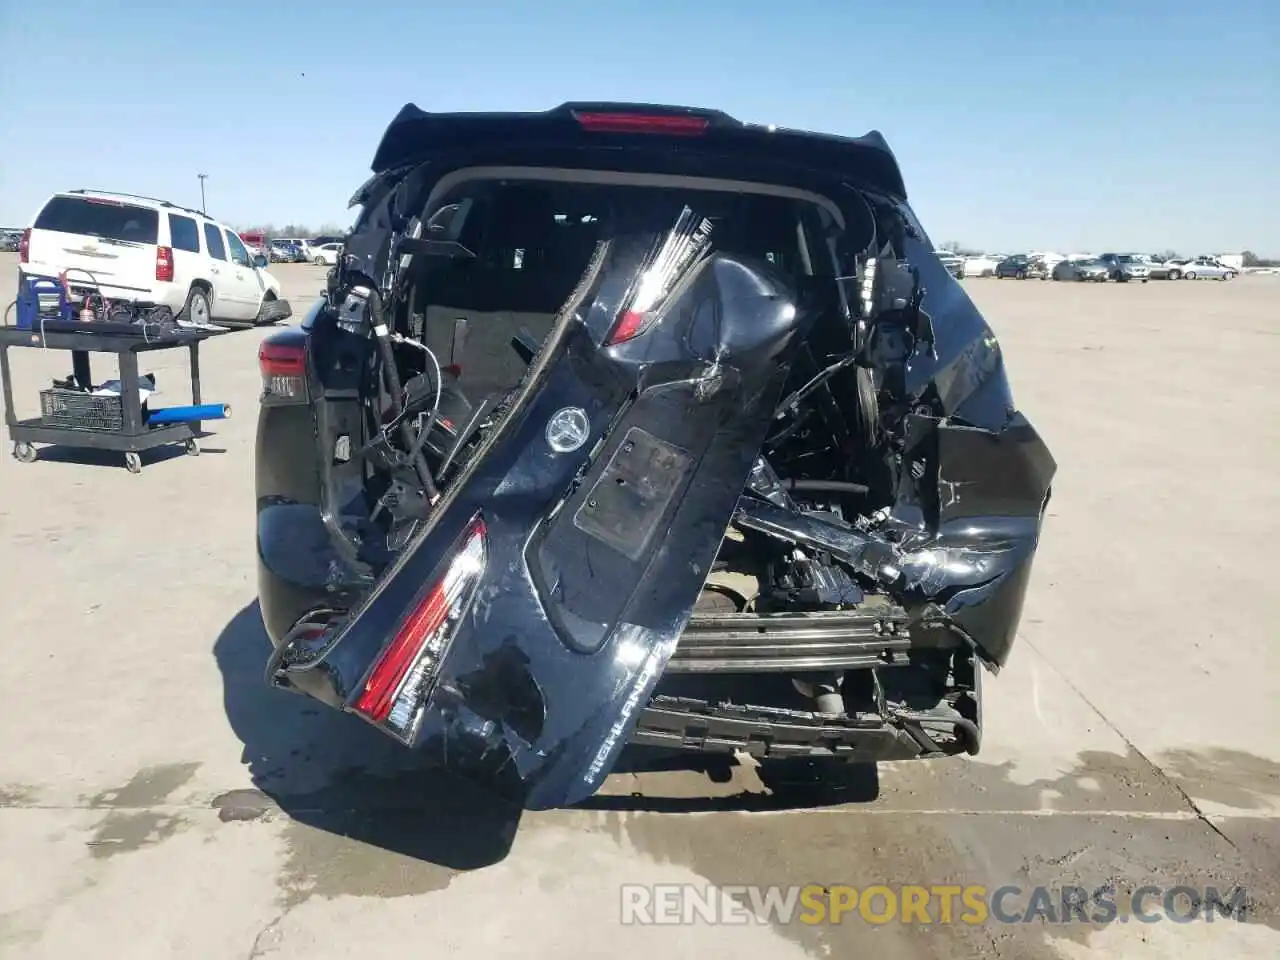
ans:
x=97 y=421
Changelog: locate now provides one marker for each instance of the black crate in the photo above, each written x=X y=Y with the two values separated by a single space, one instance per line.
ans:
x=74 y=410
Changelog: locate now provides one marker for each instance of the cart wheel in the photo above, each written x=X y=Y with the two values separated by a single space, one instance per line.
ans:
x=24 y=453
x=133 y=462
x=192 y=447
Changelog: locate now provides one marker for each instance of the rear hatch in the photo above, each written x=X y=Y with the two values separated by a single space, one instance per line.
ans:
x=107 y=242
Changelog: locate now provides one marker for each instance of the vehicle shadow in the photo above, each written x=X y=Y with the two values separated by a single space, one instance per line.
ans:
x=676 y=784
x=334 y=773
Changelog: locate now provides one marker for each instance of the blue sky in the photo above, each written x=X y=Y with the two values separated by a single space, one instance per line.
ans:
x=1079 y=125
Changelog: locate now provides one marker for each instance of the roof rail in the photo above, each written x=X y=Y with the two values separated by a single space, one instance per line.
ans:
x=139 y=196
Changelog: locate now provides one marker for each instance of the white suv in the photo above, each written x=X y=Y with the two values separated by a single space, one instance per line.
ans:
x=151 y=252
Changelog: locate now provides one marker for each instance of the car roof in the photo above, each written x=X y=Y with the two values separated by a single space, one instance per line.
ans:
x=414 y=134
x=132 y=198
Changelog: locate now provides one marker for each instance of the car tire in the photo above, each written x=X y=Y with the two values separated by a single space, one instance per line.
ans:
x=1226 y=276
x=198 y=308
x=1175 y=275
x=1020 y=275
x=1191 y=275
x=318 y=261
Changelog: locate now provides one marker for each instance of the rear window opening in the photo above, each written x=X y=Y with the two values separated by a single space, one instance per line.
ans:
x=534 y=239
x=105 y=219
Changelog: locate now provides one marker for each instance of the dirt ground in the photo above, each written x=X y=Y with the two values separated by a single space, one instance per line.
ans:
x=156 y=800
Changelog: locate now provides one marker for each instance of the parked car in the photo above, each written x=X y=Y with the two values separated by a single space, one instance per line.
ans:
x=1123 y=267
x=953 y=262
x=580 y=513
x=255 y=242
x=326 y=254
x=151 y=252
x=282 y=251
x=9 y=240
x=1049 y=258
x=1020 y=266
x=304 y=248
x=1202 y=268
x=982 y=265
x=1166 y=269
x=1084 y=270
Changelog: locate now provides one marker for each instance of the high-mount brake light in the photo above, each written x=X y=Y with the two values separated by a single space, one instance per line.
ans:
x=396 y=691
x=283 y=367
x=680 y=125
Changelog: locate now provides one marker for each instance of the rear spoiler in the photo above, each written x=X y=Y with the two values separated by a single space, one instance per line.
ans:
x=415 y=134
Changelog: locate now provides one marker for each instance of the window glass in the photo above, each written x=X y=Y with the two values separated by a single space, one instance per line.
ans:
x=238 y=253
x=107 y=219
x=183 y=233
x=213 y=240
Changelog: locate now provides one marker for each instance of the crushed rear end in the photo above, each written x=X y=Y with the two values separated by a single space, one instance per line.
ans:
x=740 y=496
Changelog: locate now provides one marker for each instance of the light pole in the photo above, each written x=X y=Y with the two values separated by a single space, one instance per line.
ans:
x=203 y=177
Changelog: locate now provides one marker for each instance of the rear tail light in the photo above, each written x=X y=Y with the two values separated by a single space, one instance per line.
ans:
x=164 y=264
x=283 y=367
x=24 y=246
x=680 y=125
x=396 y=691
x=677 y=251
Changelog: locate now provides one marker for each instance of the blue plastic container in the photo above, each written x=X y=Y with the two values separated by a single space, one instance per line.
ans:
x=41 y=297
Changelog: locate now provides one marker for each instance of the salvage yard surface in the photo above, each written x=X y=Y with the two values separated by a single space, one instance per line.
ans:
x=157 y=800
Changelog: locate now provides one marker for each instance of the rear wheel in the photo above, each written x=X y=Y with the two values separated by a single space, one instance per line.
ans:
x=318 y=261
x=196 y=309
x=1175 y=274
x=1191 y=275
x=24 y=452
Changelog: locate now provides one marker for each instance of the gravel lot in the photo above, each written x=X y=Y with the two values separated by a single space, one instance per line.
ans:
x=156 y=800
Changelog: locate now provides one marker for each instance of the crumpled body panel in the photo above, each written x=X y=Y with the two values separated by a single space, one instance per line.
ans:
x=587 y=590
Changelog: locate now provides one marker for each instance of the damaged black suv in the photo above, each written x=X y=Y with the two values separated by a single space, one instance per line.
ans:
x=623 y=424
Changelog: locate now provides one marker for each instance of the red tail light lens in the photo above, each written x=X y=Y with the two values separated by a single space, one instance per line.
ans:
x=283 y=367
x=630 y=325
x=164 y=264
x=679 y=125
x=24 y=246
x=396 y=691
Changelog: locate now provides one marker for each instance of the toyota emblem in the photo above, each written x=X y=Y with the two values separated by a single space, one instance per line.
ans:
x=568 y=429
